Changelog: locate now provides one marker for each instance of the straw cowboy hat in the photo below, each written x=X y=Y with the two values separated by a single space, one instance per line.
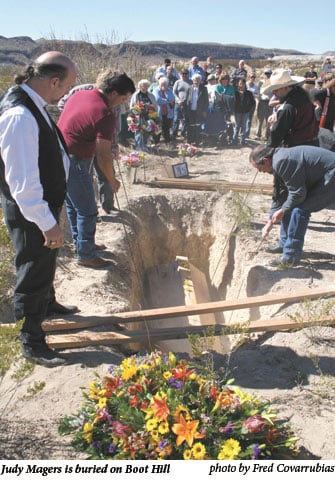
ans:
x=281 y=78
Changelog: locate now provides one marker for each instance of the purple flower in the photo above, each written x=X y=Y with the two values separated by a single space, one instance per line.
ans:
x=96 y=445
x=228 y=429
x=178 y=384
x=112 y=447
x=162 y=445
x=256 y=451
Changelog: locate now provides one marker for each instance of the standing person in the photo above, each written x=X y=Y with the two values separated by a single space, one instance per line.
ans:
x=308 y=174
x=239 y=72
x=225 y=95
x=33 y=171
x=196 y=68
x=105 y=191
x=196 y=109
x=143 y=98
x=180 y=89
x=163 y=69
x=310 y=77
x=244 y=104
x=326 y=67
x=252 y=86
x=87 y=123
x=170 y=76
x=165 y=100
x=296 y=123
x=263 y=109
x=324 y=100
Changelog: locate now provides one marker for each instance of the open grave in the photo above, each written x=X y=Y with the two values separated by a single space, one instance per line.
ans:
x=185 y=249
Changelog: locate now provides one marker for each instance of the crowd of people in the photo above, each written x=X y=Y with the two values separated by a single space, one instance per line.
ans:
x=233 y=101
x=52 y=163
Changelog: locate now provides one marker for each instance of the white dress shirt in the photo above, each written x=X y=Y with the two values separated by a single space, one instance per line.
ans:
x=19 y=146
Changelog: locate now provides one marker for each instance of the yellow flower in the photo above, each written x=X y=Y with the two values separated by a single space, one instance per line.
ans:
x=186 y=431
x=102 y=402
x=187 y=454
x=93 y=391
x=88 y=432
x=167 y=375
x=154 y=435
x=151 y=424
x=129 y=369
x=163 y=428
x=243 y=396
x=181 y=409
x=230 y=450
x=198 y=451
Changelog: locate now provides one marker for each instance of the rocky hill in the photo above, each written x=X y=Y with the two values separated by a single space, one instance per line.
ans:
x=21 y=50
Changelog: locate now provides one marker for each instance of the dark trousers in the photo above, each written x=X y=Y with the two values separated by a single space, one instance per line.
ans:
x=193 y=127
x=35 y=271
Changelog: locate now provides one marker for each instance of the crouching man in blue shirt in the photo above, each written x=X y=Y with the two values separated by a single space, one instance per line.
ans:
x=308 y=174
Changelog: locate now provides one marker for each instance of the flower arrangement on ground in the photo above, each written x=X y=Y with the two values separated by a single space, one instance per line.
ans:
x=187 y=150
x=158 y=407
x=143 y=118
x=133 y=159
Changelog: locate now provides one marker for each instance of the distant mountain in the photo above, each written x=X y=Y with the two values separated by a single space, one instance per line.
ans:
x=21 y=50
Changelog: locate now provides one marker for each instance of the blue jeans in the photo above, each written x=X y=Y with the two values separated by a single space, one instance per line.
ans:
x=241 y=120
x=105 y=191
x=81 y=207
x=292 y=233
x=178 y=117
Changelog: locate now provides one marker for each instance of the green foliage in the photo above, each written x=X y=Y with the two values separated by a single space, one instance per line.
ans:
x=9 y=347
x=6 y=255
x=313 y=311
x=240 y=212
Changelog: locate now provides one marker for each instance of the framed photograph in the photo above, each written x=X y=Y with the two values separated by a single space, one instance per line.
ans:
x=180 y=170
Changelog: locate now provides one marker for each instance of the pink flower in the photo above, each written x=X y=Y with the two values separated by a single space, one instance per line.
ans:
x=254 y=424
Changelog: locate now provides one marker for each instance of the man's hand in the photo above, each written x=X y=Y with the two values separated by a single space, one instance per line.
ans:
x=277 y=216
x=54 y=238
x=115 y=184
x=266 y=229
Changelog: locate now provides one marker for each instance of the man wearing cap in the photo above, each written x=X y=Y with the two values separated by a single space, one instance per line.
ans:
x=296 y=123
x=308 y=174
x=180 y=89
x=196 y=68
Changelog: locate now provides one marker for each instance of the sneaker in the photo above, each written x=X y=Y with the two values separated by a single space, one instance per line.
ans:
x=96 y=262
x=43 y=355
x=274 y=249
x=280 y=262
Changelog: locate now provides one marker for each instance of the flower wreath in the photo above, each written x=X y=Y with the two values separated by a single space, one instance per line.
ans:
x=157 y=407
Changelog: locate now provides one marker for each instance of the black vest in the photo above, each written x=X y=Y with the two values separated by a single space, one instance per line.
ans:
x=50 y=161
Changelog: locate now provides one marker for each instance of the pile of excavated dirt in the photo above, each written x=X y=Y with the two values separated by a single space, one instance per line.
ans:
x=219 y=232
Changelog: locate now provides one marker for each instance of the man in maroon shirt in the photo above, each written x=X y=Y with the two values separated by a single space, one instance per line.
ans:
x=87 y=124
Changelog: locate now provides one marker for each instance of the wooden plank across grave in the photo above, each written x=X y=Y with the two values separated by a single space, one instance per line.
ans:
x=217 y=185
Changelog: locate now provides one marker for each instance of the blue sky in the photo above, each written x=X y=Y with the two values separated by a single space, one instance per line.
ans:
x=306 y=27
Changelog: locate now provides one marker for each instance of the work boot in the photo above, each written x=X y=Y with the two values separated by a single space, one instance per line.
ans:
x=96 y=263
x=43 y=355
x=274 y=249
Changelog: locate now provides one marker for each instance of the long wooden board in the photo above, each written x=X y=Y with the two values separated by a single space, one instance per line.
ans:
x=84 y=339
x=189 y=184
x=182 y=310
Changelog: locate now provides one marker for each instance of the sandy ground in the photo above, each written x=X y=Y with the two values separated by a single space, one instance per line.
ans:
x=295 y=369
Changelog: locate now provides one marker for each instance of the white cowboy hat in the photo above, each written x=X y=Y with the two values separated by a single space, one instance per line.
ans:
x=281 y=78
